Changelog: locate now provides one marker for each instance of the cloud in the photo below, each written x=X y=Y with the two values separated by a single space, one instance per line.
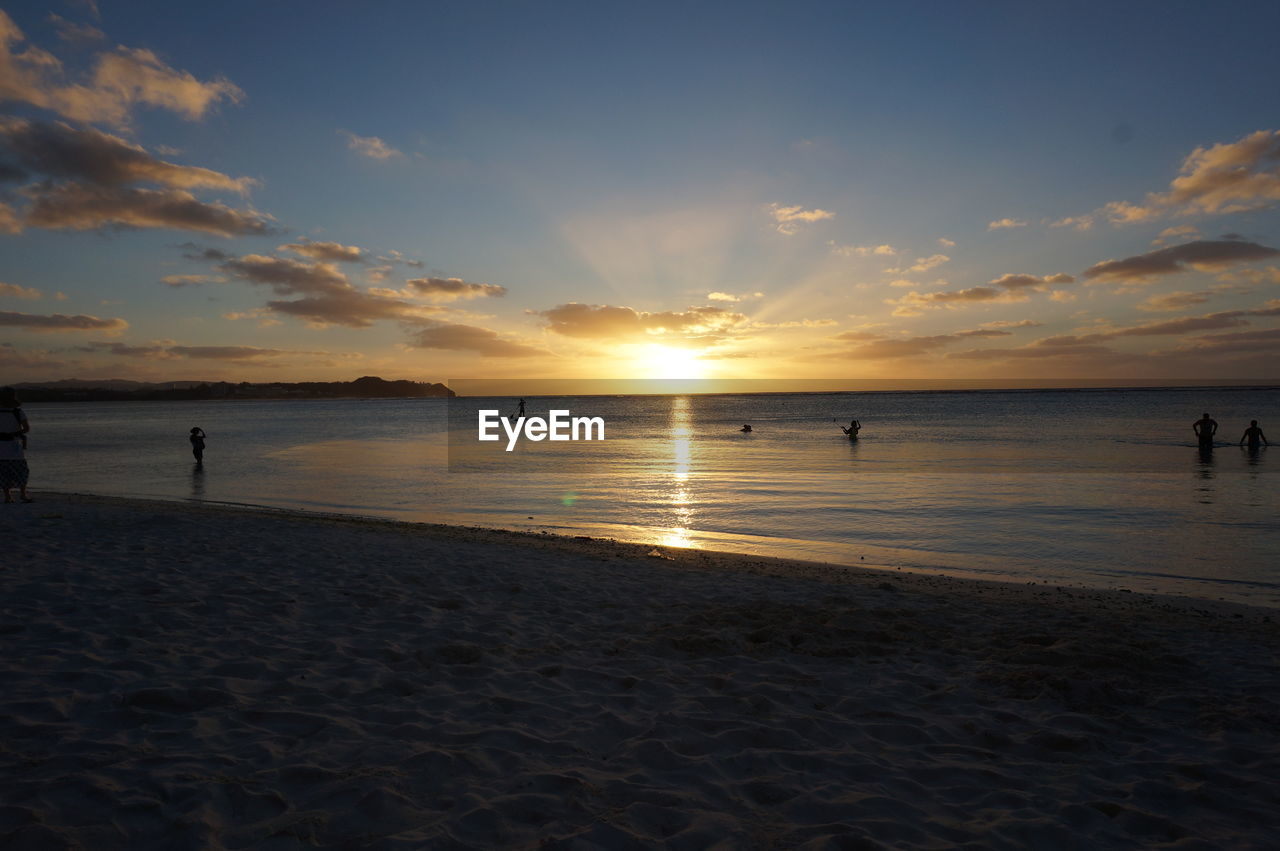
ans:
x=946 y=243
x=924 y=264
x=9 y=219
x=61 y=151
x=789 y=219
x=1176 y=301
x=370 y=146
x=15 y=291
x=1021 y=280
x=451 y=289
x=863 y=250
x=13 y=358
x=797 y=323
x=1236 y=343
x=378 y=274
x=328 y=298
x=603 y=321
x=471 y=338
x=74 y=32
x=1081 y=223
x=984 y=332
x=730 y=297
x=324 y=250
x=82 y=183
x=1050 y=347
x=1000 y=224
x=121 y=79
x=170 y=351
x=1090 y=345
x=192 y=251
x=59 y=322
x=909 y=347
x=911 y=303
x=1012 y=323
x=190 y=280
x=1169 y=233
x=1228 y=177
x=235 y=353
x=1201 y=255
x=79 y=207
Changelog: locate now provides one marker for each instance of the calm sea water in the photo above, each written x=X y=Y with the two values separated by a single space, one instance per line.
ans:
x=1099 y=488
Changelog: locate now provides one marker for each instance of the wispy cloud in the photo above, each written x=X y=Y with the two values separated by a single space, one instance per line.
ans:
x=15 y=291
x=883 y=250
x=1223 y=178
x=733 y=298
x=1202 y=255
x=471 y=338
x=788 y=219
x=606 y=321
x=121 y=79
x=335 y=251
x=59 y=322
x=1002 y=224
x=58 y=150
x=370 y=146
x=453 y=289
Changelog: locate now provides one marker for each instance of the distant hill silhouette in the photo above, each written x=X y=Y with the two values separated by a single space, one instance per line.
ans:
x=114 y=390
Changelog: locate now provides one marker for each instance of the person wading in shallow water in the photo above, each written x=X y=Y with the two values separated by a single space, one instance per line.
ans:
x=1205 y=428
x=1254 y=435
x=13 y=443
x=197 y=444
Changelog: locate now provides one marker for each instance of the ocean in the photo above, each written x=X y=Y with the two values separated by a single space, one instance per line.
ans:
x=1094 y=488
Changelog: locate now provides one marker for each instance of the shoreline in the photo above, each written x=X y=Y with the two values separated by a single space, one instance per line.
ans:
x=187 y=675
x=587 y=544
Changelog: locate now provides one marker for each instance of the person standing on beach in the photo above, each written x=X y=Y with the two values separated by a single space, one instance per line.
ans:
x=1254 y=435
x=1205 y=428
x=13 y=443
x=197 y=444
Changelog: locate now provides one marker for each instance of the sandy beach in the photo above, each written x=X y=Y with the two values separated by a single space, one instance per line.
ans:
x=191 y=676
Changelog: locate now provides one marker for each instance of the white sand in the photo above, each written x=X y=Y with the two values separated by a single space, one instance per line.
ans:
x=179 y=676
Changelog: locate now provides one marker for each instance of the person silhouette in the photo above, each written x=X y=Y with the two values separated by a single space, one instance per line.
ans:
x=1205 y=428
x=520 y=413
x=14 y=471
x=853 y=429
x=1254 y=435
x=197 y=444
x=745 y=428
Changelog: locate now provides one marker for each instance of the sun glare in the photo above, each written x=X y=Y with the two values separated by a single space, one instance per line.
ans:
x=658 y=361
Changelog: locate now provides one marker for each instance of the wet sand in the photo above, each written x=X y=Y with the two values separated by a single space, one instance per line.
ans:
x=210 y=677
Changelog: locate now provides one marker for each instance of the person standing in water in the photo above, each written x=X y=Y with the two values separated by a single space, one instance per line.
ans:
x=197 y=444
x=1205 y=428
x=13 y=443
x=1254 y=435
x=520 y=413
x=853 y=429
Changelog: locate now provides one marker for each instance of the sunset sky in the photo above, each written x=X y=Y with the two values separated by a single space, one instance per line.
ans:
x=289 y=190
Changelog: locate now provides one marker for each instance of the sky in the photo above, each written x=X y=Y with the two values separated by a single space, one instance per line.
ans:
x=319 y=190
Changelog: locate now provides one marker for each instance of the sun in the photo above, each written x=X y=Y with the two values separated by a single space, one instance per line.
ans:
x=658 y=361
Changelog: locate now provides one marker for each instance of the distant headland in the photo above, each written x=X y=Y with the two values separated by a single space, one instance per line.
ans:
x=115 y=390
